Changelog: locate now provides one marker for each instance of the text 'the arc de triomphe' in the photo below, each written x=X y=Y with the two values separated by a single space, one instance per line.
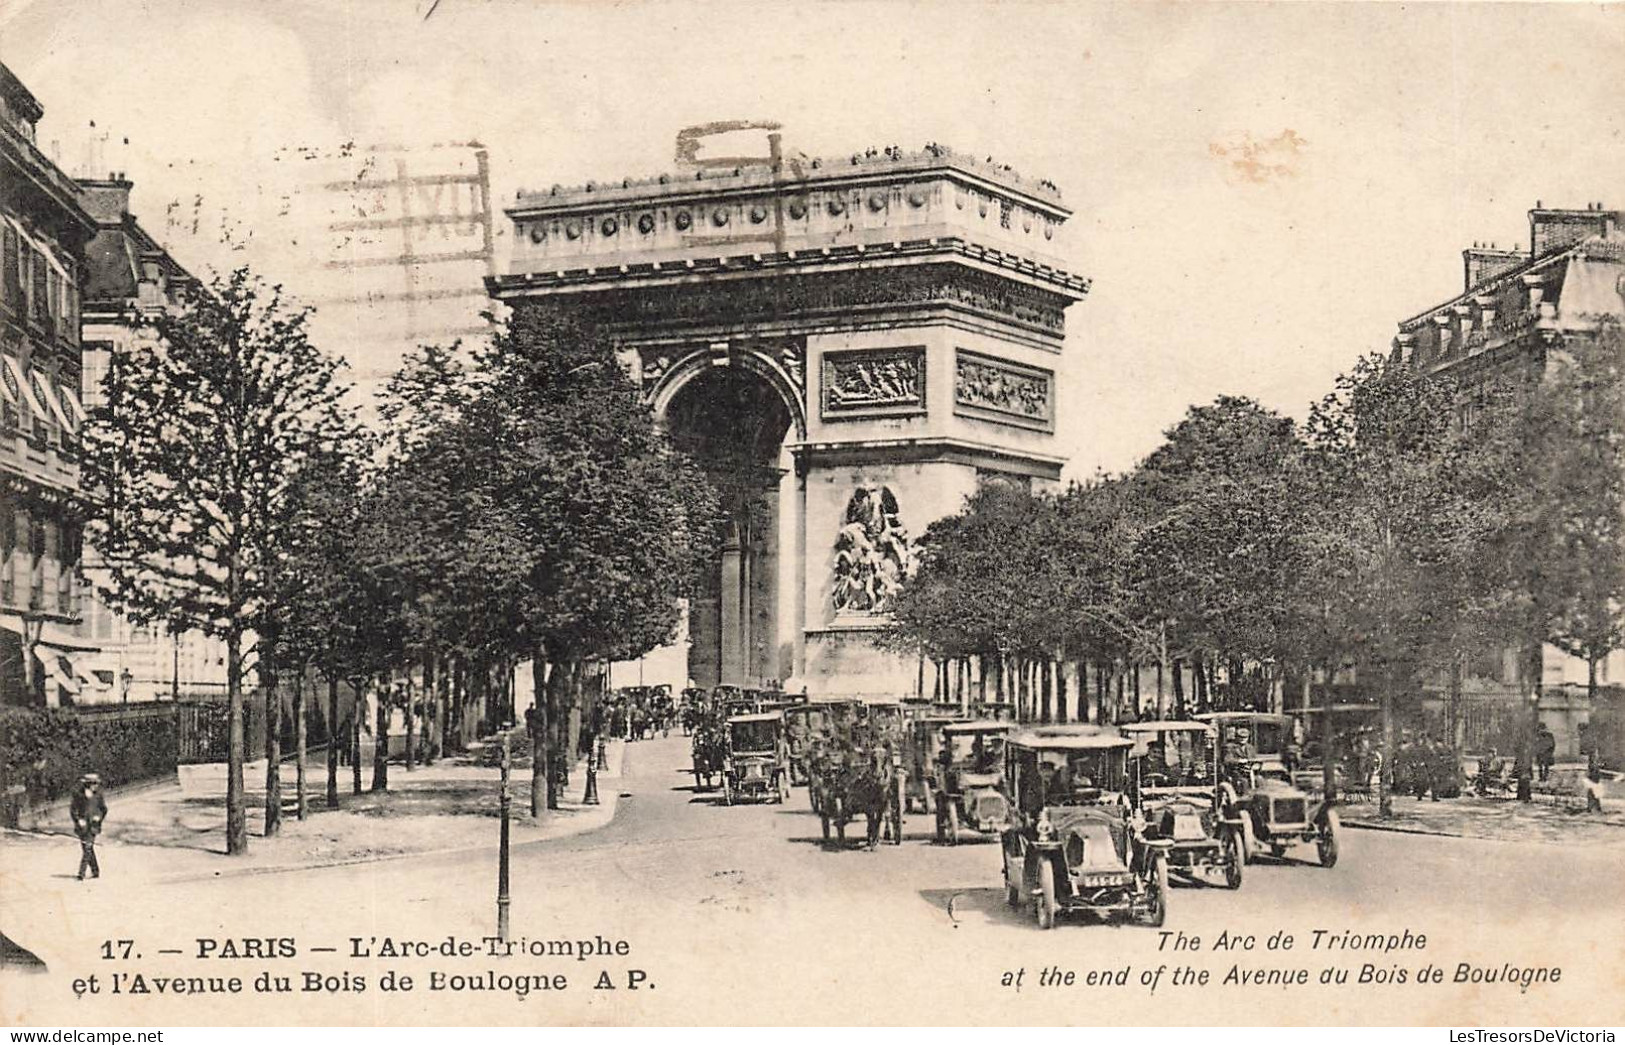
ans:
x=857 y=342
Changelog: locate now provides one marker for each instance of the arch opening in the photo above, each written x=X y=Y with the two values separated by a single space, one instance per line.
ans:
x=735 y=424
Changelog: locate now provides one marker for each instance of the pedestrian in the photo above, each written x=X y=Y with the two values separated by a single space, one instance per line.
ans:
x=88 y=809
x=1545 y=750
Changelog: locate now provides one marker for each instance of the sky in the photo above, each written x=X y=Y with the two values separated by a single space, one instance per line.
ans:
x=1260 y=192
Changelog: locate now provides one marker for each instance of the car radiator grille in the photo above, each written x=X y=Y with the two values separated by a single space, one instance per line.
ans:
x=1288 y=810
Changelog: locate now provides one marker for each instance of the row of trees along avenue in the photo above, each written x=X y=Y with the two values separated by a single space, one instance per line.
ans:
x=515 y=503
x=1408 y=525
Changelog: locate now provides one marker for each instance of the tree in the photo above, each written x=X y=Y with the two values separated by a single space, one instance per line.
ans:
x=322 y=595
x=1220 y=554
x=1400 y=508
x=595 y=521
x=1574 y=441
x=192 y=465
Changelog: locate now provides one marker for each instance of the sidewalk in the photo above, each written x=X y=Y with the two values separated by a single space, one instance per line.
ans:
x=1497 y=819
x=176 y=832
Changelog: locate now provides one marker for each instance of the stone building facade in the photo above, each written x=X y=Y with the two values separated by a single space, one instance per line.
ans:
x=1516 y=308
x=872 y=335
x=43 y=229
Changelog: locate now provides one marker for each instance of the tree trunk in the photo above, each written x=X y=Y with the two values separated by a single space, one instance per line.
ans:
x=1083 y=689
x=430 y=698
x=1177 y=668
x=301 y=738
x=380 y=743
x=1162 y=669
x=273 y=753
x=411 y=721
x=236 y=806
x=335 y=737
x=356 y=710
x=1328 y=776
x=540 y=777
x=1059 y=668
x=1385 y=798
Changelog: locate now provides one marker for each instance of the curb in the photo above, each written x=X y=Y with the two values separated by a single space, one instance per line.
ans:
x=1398 y=829
x=611 y=802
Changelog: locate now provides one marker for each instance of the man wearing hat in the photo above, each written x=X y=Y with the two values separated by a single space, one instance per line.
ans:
x=88 y=810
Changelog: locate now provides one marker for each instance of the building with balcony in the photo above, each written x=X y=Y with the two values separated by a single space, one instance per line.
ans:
x=1517 y=308
x=130 y=279
x=44 y=228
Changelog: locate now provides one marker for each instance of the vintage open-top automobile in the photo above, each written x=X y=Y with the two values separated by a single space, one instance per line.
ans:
x=1176 y=779
x=970 y=772
x=1076 y=842
x=756 y=765
x=1254 y=781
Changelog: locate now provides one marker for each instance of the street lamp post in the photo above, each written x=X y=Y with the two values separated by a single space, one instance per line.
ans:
x=502 y=858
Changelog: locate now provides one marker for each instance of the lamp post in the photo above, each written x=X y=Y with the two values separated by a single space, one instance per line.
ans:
x=502 y=858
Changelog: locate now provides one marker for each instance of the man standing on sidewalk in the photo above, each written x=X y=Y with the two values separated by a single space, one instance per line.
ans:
x=88 y=810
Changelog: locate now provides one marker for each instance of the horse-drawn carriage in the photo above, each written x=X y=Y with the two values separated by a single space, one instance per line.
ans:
x=805 y=724
x=855 y=769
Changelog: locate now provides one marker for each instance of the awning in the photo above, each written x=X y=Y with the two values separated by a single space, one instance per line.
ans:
x=62 y=675
x=29 y=397
x=54 y=396
x=11 y=380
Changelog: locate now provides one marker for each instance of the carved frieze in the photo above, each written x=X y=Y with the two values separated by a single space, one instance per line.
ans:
x=810 y=294
x=993 y=389
x=871 y=382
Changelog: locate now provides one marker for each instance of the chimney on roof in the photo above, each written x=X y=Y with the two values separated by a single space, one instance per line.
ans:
x=1483 y=262
x=107 y=199
x=1555 y=229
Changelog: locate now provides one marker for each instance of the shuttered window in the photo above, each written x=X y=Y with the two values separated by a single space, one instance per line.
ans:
x=13 y=271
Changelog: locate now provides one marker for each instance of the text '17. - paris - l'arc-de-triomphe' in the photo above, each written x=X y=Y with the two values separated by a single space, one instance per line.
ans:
x=857 y=342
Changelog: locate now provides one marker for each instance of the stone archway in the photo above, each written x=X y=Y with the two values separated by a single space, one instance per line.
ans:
x=737 y=423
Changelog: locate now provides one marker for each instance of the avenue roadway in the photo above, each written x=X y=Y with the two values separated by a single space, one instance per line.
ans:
x=742 y=915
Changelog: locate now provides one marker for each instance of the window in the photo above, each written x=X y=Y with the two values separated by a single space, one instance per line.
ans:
x=12 y=271
x=39 y=304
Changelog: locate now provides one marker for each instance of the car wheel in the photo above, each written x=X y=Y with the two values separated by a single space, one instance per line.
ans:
x=1156 y=889
x=1012 y=893
x=1248 y=838
x=1234 y=861
x=953 y=822
x=1044 y=903
x=1326 y=843
x=942 y=827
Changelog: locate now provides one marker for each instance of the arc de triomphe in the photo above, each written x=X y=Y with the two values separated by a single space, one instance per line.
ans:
x=850 y=345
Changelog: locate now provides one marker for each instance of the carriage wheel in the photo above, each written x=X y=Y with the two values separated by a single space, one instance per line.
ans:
x=953 y=821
